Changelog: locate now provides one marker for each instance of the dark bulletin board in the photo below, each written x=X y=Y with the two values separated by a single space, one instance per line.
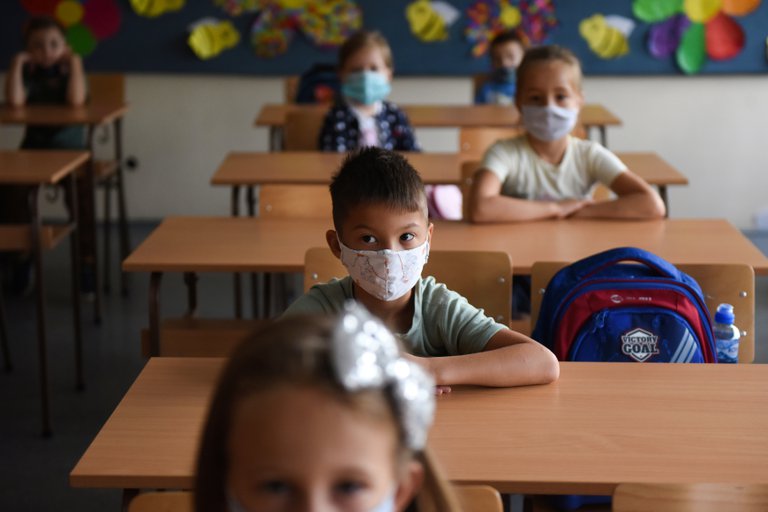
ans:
x=158 y=45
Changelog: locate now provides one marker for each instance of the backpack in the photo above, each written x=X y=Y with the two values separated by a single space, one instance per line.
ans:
x=319 y=84
x=603 y=309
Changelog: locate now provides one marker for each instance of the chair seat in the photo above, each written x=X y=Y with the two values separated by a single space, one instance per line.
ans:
x=16 y=237
x=201 y=337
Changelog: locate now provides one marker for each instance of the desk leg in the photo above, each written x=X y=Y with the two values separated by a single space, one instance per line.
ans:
x=664 y=198
x=237 y=278
x=603 y=136
x=42 y=346
x=256 y=290
x=155 y=280
x=74 y=245
x=275 y=138
x=122 y=215
x=190 y=279
x=90 y=226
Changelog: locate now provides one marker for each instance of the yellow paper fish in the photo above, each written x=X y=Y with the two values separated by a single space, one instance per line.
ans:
x=209 y=37
x=607 y=36
x=154 y=8
x=429 y=21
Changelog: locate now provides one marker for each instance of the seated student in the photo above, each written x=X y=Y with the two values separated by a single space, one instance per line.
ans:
x=48 y=72
x=546 y=173
x=362 y=117
x=309 y=415
x=506 y=52
x=382 y=236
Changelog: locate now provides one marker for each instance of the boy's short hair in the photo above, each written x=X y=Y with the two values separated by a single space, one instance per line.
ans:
x=36 y=23
x=363 y=39
x=508 y=36
x=544 y=54
x=376 y=176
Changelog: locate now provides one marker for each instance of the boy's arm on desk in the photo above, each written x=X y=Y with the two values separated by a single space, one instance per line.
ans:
x=509 y=359
x=636 y=200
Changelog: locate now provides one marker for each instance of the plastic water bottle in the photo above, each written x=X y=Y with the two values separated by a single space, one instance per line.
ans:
x=726 y=335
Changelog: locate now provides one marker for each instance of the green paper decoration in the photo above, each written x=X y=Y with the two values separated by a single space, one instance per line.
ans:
x=692 y=52
x=652 y=11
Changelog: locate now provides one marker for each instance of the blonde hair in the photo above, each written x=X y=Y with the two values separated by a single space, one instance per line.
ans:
x=545 y=54
x=296 y=352
x=365 y=39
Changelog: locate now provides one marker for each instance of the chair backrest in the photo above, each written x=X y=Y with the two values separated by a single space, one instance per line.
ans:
x=300 y=133
x=468 y=170
x=720 y=282
x=690 y=498
x=488 y=286
x=473 y=141
x=290 y=88
x=175 y=501
x=106 y=87
x=478 y=498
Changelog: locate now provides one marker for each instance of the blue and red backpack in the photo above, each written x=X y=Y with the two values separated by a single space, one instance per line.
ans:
x=602 y=308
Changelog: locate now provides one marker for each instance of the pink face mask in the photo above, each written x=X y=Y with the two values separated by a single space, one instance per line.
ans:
x=385 y=274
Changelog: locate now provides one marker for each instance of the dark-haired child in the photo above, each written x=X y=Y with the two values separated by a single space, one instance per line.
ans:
x=506 y=51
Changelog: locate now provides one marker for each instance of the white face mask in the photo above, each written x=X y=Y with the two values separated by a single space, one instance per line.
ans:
x=387 y=505
x=385 y=274
x=549 y=123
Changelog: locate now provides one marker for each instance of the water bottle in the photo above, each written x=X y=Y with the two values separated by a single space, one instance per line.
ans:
x=726 y=335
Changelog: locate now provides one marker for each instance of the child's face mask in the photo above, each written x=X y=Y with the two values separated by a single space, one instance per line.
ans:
x=366 y=87
x=549 y=122
x=385 y=274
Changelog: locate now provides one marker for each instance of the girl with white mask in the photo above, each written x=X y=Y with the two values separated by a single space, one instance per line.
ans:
x=321 y=414
x=548 y=173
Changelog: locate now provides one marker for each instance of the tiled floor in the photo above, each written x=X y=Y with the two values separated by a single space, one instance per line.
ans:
x=34 y=471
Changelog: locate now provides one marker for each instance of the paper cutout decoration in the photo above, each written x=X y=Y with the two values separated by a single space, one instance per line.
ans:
x=695 y=31
x=85 y=23
x=326 y=23
x=429 y=21
x=154 y=8
x=607 y=36
x=209 y=37
x=532 y=19
x=238 y=7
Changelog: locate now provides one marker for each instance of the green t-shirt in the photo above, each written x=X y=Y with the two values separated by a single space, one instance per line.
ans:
x=444 y=323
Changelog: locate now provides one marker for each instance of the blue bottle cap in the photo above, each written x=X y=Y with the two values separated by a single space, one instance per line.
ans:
x=724 y=314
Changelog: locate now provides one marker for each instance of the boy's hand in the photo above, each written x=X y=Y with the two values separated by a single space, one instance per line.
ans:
x=425 y=363
x=568 y=207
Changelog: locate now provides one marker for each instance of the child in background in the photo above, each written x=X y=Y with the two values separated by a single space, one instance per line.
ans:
x=311 y=415
x=362 y=117
x=546 y=173
x=48 y=72
x=382 y=236
x=506 y=51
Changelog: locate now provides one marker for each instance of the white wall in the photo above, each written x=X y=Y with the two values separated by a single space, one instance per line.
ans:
x=712 y=129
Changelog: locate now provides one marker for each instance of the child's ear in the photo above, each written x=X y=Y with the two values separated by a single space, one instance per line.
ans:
x=333 y=242
x=430 y=229
x=409 y=485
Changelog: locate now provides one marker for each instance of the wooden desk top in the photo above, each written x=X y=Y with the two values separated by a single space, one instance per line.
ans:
x=228 y=244
x=91 y=113
x=27 y=167
x=652 y=168
x=443 y=116
x=316 y=167
x=601 y=424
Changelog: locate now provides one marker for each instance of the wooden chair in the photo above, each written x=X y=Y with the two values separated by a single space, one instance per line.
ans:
x=488 y=286
x=473 y=142
x=690 y=498
x=290 y=88
x=472 y=498
x=110 y=87
x=201 y=337
x=731 y=283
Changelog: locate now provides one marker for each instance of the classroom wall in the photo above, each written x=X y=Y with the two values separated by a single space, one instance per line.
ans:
x=711 y=128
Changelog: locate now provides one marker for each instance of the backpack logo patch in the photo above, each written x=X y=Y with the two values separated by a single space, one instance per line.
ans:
x=639 y=344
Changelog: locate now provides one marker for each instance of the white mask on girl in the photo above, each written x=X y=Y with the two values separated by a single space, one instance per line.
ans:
x=385 y=274
x=550 y=122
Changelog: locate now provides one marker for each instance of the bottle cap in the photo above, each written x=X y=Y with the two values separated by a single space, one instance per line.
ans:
x=724 y=314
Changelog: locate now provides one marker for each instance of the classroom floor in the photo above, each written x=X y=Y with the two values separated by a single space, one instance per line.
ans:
x=34 y=471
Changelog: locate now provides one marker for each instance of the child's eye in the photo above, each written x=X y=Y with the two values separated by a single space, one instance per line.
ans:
x=349 y=487
x=561 y=97
x=407 y=237
x=368 y=239
x=275 y=487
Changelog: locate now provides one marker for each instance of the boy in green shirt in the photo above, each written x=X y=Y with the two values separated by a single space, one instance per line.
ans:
x=382 y=236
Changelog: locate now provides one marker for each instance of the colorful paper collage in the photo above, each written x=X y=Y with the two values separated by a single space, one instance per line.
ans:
x=607 y=36
x=210 y=36
x=694 y=30
x=533 y=20
x=429 y=21
x=85 y=23
x=155 y=8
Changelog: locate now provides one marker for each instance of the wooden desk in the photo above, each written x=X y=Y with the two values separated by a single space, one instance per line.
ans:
x=315 y=168
x=654 y=170
x=272 y=115
x=600 y=425
x=227 y=244
x=92 y=115
x=35 y=169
